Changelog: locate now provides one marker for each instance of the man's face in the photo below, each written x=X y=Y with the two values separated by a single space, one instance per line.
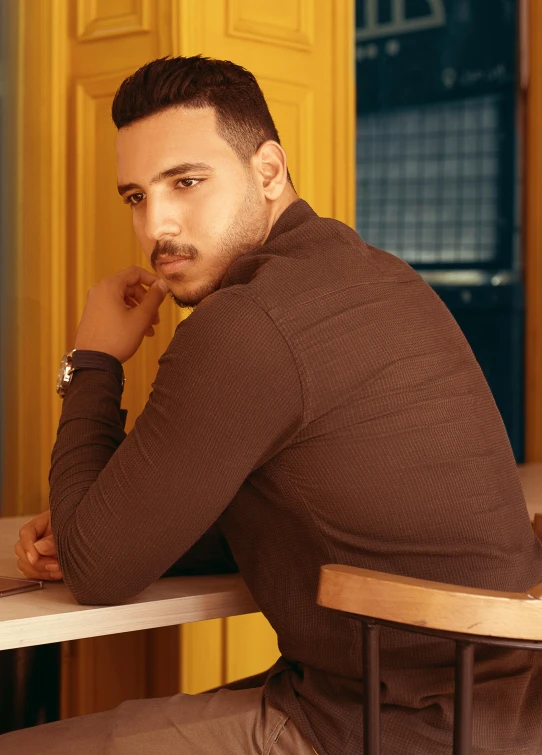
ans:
x=195 y=205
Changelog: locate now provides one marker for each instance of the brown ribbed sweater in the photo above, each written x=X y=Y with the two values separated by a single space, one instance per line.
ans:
x=321 y=407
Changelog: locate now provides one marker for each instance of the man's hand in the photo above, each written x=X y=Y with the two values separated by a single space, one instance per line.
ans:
x=120 y=311
x=36 y=549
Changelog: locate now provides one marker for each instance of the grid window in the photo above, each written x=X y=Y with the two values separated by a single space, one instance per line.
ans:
x=427 y=181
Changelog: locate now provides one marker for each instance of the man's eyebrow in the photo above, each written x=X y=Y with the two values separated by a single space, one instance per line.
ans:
x=176 y=170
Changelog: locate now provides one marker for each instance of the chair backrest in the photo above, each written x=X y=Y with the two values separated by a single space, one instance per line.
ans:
x=466 y=615
x=537 y=525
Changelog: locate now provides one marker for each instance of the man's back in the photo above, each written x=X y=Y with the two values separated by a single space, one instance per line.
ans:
x=401 y=464
x=323 y=407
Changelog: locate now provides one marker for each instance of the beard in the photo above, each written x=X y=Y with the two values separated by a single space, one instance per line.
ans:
x=246 y=232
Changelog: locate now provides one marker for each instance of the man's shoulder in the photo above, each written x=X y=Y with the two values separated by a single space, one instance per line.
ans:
x=324 y=260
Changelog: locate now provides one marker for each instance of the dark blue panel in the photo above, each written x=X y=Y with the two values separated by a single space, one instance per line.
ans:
x=439 y=50
x=492 y=319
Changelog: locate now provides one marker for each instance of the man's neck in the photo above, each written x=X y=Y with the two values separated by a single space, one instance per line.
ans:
x=287 y=198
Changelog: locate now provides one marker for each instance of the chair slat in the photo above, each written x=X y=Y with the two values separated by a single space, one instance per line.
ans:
x=432 y=605
x=371 y=688
x=464 y=681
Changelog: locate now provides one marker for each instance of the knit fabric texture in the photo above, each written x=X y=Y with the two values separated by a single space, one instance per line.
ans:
x=321 y=407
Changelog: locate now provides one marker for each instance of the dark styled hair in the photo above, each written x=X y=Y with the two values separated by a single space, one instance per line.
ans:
x=242 y=116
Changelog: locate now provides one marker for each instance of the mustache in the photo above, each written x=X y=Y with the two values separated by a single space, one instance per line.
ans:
x=170 y=249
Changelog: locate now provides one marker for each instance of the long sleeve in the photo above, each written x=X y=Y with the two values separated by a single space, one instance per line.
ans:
x=210 y=555
x=226 y=398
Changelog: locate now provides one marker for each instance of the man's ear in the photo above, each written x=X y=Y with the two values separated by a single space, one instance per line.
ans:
x=271 y=168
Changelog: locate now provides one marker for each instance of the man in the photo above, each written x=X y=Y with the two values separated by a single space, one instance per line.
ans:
x=320 y=405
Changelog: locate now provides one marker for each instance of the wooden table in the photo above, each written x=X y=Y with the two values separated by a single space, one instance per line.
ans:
x=53 y=615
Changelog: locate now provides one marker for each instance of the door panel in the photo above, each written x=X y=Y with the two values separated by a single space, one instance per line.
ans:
x=293 y=111
x=289 y=24
x=292 y=50
x=102 y=18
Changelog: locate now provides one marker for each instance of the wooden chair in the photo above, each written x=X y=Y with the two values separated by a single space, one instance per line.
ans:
x=537 y=525
x=466 y=615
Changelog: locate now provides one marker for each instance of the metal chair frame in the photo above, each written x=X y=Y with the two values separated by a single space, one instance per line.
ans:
x=465 y=645
x=356 y=593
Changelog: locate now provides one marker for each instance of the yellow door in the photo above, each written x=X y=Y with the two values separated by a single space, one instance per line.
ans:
x=72 y=230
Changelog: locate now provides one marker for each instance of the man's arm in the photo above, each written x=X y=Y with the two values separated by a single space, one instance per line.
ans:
x=226 y=398
x=210 y=555
x=37 y=557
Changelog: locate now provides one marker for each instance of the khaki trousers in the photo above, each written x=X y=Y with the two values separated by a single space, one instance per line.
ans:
x=232 y=722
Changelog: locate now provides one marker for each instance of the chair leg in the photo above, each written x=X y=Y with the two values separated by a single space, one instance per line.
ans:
x=371 y=688
x=464 y=678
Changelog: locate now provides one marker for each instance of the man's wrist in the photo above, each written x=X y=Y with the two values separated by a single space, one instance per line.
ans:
x=83 y=359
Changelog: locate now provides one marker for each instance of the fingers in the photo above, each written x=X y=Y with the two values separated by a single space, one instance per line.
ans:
x=134 y=295
x=33 y=531
x=46 y=546
x=40 y=563
x=120 y=311
x=136 y=275
x=135 y=292
x=53 y=572
x=154 y=298
x=147 y=309
x=36 y=550
x=44 y=568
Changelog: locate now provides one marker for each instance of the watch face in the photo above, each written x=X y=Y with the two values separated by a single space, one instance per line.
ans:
x=61 y=370
x=64 y=375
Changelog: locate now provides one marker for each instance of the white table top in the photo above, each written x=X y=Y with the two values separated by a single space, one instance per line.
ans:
x=53 y=615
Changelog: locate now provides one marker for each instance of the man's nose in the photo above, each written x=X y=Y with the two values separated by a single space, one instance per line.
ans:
x=162 y=220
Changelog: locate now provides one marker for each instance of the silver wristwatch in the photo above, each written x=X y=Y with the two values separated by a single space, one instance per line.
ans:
x=65 y=374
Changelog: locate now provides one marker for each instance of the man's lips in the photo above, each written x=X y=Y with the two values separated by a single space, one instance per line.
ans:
x=171 y=264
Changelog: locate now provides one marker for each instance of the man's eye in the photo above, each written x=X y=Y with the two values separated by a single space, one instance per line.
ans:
x=133 y=199
x=187 y=183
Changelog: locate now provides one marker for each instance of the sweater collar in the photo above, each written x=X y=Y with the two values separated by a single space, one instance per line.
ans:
x=294 y=215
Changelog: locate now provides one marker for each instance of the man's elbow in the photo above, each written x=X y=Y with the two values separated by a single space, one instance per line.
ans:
x=97 y=590
x=88 y=595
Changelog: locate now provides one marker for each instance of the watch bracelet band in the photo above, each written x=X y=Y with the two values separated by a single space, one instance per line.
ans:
x=97 y=360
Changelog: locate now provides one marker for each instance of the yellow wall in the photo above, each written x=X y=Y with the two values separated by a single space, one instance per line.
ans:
x=71 y=230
